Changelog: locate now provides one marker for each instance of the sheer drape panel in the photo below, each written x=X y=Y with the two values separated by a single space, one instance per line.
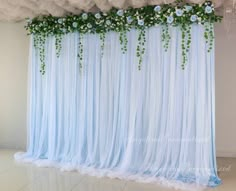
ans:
x=109 y=118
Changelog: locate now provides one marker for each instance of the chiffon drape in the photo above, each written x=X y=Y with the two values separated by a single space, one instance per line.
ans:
x=110 y=119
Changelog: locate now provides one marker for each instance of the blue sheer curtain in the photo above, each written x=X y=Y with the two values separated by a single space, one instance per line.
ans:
x=111 y=119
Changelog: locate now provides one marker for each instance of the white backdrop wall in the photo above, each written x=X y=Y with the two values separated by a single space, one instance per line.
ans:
x=14 y=46
x=225 y=91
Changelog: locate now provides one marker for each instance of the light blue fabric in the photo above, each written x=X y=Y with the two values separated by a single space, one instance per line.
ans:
x=153 y=124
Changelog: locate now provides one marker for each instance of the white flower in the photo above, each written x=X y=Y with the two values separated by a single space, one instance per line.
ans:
x=108 y=22
x=157 y=8
x=120 y=13
x=208 y=9
x=193 y=18
x=179 y=12
x=170 y=19
x=84 y=16
x=129 y=19
x=188 y=8
x=64 y=30
x=98 y=16
x=75 y=24
x=89 y=25
x=60 y=21
x=29 y=21
x=140 y=22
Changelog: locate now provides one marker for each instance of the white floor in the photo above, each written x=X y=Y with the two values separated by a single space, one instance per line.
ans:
x=27 y=177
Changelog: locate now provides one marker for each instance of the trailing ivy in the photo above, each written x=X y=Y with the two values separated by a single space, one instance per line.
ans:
x=118 y=20
x=36 y=41
x=39 y=43
x=58 y=39
x=184 y=55
x=209 y=35
x=165 y=37
x=189 y=37
x=123 y=41
x=102 y=37
x=141 y=47
x=81 y=51
x=185 y=43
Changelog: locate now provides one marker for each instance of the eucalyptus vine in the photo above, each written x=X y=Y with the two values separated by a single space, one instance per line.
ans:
x=178 y=14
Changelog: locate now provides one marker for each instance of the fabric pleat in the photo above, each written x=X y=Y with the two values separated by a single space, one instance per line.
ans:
x=108 y=118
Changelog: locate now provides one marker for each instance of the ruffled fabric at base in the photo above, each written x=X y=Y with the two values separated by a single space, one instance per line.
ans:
x=180 y=183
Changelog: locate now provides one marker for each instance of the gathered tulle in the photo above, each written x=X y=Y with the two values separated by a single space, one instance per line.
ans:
x=109 y=118
x=180 y=183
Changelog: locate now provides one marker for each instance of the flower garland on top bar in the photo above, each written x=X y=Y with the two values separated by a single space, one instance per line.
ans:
x=121 y=21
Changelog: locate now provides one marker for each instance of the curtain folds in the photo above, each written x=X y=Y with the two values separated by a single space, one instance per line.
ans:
x=111 y=119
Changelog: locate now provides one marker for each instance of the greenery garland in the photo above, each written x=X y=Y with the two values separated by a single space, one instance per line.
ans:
x=118 y=20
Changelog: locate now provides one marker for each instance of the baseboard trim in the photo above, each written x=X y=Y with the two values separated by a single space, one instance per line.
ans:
x=225 y=154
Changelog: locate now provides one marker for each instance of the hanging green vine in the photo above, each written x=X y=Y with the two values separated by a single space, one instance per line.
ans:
x=36 y=41
x=209 y=35
x=81 y=51
x=184 y=55
x=185 y=43
x=58 y=39
x=189 y=37
x=102 y=37
x=165 y=37
x=123 y=41
x=39 y=43
x=140 y=50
